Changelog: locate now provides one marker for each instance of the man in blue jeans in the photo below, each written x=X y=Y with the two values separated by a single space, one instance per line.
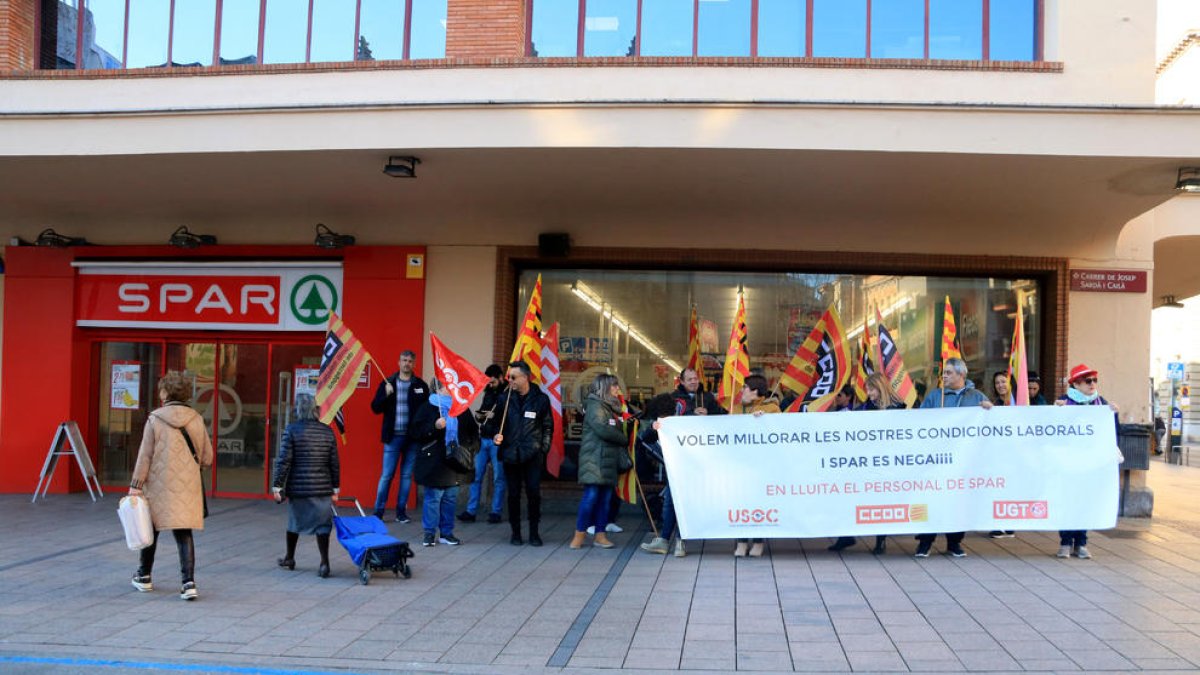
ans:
x=398 y=398
x=488 y=417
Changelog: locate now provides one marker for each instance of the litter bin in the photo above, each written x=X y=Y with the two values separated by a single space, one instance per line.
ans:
x=1134 y=441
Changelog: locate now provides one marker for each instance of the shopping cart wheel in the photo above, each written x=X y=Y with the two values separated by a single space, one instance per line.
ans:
x=364 y=576
x=406 y=571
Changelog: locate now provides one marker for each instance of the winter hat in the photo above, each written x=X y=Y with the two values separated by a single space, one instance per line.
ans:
x=1081 y=371
x=1035 y=377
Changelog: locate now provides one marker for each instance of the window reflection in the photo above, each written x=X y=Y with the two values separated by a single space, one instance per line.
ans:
x=898 y=29
x=840 y=28
x=103 y=34
x=286 y=33
x=332 y=31
x=381 y=31
x=781 y=27
x=609 y=28
x=667 y=27
x=956 y=29
x=428 y=36
x=149 y=26
x=1012 y=30
x=195 y=29
x=239 y=32
x=723 y=28
x=555 y=28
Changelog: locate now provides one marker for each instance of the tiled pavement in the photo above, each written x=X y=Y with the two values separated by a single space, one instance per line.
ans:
x=489 y=607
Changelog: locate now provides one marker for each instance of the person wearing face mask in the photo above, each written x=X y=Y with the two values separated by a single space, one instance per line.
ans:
x=956 y=392
x=1084 y=390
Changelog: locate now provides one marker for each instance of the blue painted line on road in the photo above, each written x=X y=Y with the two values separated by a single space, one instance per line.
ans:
x=151 y=665
x=566 y=647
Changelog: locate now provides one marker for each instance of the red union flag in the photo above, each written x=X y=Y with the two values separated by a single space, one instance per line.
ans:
x=552 y=385
x=343 y=360
x=464 y=381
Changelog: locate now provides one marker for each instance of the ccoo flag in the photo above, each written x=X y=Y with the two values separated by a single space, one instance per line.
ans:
x=552 y=385
x=1018 y=364
x=463 y=380
x=342 y=362
x=821 y=365
x=695 y=358
x=529 y=338
x=865 y=364
x=737 y=359
x=892 y=364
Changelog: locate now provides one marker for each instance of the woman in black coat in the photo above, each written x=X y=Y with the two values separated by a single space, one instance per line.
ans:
x=433 y=432
x=308 y=475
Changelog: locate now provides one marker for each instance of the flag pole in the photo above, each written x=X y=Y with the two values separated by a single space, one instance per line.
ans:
x=646 y=506
x=504 y=415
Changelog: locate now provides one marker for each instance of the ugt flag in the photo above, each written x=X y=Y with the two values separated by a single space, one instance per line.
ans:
x=464 y=381
x=552 y=385
x=342 y=362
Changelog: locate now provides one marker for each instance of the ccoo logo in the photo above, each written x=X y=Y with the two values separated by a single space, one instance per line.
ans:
x=753 y=516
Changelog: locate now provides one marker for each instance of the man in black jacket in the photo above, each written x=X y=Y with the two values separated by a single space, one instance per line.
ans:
x=398 y=399
x=524 y=440
x=692 y=398
x=488 y=417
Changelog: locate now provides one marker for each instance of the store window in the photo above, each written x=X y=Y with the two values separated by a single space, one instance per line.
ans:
x=635 y=323
x=667 y=27
x=610 y=28
x=723 y=28
x=782 y=25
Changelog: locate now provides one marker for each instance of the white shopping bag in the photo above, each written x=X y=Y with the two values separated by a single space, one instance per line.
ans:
x=135 y=518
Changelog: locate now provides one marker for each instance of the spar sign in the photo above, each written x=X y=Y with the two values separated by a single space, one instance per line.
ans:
x=259 y=296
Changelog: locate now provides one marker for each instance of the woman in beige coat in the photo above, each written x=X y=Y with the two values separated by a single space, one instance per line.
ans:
x=168 y=474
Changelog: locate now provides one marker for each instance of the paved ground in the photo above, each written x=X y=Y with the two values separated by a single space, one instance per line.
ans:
x=489 y=607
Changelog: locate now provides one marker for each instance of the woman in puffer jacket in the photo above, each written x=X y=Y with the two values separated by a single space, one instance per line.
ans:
x=168 y=473
x=308 y=475
x=604 y=441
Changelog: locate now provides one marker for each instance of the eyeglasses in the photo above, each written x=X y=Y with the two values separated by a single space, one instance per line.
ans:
x=1090 y=380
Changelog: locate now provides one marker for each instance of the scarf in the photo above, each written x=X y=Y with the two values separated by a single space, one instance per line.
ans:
x=1080 y=397
x=443 y=403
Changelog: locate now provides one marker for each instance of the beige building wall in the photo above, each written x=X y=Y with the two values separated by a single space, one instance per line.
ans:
x=459 y=302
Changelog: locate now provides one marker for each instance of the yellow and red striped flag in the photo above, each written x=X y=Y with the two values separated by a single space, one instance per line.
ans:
x=529 y=339
x=892 y=365
x=821 y=365
x=737 y=359
x=627 y=483
x=695 y=358
x=950 y=348
x=342 y=362
x=1018 y=365
x=865 y=365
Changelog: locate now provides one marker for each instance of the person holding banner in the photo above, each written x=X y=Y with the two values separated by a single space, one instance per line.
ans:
x=754 y=400
x=879 y=397
x=601 y=449
x=956 y=392
x=397 y=399
x=434 y=431
x=663 y=405
x=1084 y=390
x=526 y=431
x=692 y=397
x=1001 y=395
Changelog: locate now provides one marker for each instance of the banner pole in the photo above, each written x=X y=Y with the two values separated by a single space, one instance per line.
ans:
x=646 y=506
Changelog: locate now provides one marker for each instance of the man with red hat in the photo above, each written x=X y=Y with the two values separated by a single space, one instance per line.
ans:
x=1084 y=390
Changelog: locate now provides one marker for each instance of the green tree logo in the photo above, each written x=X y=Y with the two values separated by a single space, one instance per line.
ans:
x=319 y=298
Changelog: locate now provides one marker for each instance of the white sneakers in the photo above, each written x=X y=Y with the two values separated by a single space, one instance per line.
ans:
x=611 y=528
x=188 y=592
x=1080 y=552
x=142 y=584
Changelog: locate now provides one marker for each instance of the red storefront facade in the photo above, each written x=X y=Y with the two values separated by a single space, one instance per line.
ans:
x=87 y=332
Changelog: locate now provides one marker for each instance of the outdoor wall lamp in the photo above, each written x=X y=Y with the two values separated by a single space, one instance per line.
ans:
x=327 y=238
x=186 y=239
x=49 y=237
x=1189 y=180
x=402 y=166
x=1170 y=301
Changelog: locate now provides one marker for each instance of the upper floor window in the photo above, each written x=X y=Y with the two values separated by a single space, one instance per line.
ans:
x=987 y=30
x=102 y=34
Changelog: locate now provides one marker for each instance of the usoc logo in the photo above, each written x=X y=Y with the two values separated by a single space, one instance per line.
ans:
x=313 y=298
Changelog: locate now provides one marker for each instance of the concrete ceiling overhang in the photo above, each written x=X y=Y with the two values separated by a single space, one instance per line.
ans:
x=1177 y=267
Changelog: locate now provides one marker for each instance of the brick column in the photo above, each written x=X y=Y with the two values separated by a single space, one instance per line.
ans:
x=485 y=28
x=17 y=40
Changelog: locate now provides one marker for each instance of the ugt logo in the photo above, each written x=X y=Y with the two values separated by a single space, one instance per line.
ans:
x=1021 y=510
x=753 y=516
x=462 y=392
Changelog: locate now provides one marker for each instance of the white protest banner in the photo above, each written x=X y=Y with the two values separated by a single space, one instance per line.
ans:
x=893 y=471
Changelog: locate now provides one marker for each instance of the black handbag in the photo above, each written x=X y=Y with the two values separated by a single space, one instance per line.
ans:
x=460 y=458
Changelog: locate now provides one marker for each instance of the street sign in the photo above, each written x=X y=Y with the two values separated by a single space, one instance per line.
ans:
x=1175 y=370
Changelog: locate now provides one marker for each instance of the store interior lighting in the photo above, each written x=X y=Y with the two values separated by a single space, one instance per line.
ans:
x=885 y=313
x=591 y=299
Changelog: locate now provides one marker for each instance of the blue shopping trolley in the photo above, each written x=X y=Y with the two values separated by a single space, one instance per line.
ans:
x=369 y=543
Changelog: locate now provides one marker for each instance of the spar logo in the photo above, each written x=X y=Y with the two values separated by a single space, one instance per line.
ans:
x=759 y=517
x=313 y=298
x=1022 y=510
x=462 y=391
x=891 y=513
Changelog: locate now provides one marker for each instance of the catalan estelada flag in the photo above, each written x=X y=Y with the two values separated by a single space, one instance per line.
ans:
x=552 y=385
x=892 y=365
x=342 y=362
x=529 y=338
x=821 y=366
x=950 y=349
x=627 y=483
x=695 y=358
x=1018 y=365
x=737 y=359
